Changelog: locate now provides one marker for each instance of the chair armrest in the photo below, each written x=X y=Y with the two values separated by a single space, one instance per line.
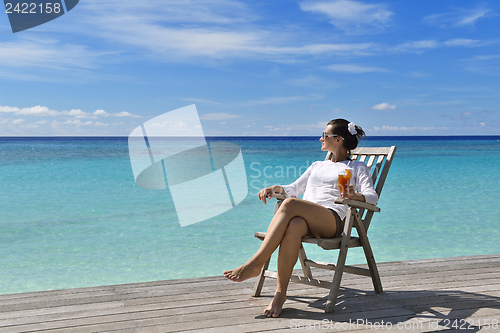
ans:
x=357 y=204
x=279 y=196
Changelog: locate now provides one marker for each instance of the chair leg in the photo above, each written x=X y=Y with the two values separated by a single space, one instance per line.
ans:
x=370 y=259
x=302 y=257
x=339 y=269
x=260 y=281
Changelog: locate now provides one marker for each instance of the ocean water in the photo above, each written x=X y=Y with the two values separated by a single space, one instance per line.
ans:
x=71 y=214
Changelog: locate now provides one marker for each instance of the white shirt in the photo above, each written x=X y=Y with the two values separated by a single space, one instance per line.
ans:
x=319 y=184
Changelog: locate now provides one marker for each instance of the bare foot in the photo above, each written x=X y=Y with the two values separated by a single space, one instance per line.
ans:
x=242 y=273
x=274 y=308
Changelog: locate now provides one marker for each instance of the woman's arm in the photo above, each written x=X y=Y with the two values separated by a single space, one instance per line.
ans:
x=267 y=193
x=293 y=190
x=365 y=184
x=299 y=186
x=352 y=194
x=364 y=190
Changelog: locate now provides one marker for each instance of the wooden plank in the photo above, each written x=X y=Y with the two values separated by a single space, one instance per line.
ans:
x=370 y=161
x=331 y=267
x=371 y=150
x=375 y=171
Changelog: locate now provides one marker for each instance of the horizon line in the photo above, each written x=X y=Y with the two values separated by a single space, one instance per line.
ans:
x=242 y=136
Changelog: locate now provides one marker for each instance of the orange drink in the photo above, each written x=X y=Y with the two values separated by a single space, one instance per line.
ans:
x=344 y=180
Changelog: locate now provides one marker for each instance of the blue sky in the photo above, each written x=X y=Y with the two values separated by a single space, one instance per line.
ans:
x=256 y=67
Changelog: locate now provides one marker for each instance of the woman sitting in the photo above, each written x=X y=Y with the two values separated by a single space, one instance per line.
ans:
x=316 y=214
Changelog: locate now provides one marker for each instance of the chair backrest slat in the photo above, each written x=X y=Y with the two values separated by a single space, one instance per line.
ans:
x=376 y=170
x=370 y=161
x=385 y=170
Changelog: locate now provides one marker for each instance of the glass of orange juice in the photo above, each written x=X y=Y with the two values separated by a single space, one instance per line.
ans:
x=344 y=180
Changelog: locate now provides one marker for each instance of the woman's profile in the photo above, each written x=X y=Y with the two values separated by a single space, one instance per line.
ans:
x=315 y=215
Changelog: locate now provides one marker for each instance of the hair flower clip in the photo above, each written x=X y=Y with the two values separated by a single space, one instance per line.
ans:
x=352 y=128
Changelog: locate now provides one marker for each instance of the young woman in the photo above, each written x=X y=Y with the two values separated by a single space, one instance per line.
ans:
x=316 y=214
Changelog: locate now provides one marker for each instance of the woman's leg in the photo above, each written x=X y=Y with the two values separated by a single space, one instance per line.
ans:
x=287 y=257
x=320 y=223
x=298 y=227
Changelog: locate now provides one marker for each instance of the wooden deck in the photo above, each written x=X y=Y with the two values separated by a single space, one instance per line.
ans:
x=418 y=296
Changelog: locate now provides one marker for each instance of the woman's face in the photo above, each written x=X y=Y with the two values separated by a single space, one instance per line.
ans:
x=329 y=143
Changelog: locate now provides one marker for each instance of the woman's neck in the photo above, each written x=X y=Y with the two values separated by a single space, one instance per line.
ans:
x=339 y=156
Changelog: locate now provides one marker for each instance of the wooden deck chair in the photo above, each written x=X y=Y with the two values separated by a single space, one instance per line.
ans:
x=359 y=215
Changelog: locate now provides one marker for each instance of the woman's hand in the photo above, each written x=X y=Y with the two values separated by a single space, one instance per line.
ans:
x=352 y=194
x=266 y=193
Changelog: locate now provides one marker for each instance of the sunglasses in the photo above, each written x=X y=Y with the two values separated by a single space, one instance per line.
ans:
x=324 y=135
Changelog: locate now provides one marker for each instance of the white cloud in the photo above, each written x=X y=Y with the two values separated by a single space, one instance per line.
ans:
x=461 y=42
x=101 y=113
x=458 y=17
x=351 y=16
x=390 y=128
x=219 y=116
x=77 y=113
x=8 y=109
x=36 y=111
x=339 y=49
x=416 y=46
x=17 y=121
x=45 y=111
x=297 y=129
x=40 y=51
x=384 y=107
x=351 y=68
x=471 y=17
x=421 y=45
x=77 y=123
x=386 y=128
x=125 y=114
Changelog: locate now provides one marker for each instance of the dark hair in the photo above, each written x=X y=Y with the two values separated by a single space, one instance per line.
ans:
x=340 y=127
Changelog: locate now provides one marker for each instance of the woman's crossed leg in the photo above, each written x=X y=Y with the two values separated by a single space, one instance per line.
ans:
x=294 y=219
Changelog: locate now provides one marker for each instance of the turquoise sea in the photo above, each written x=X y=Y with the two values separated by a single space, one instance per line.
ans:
x=72 y=216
